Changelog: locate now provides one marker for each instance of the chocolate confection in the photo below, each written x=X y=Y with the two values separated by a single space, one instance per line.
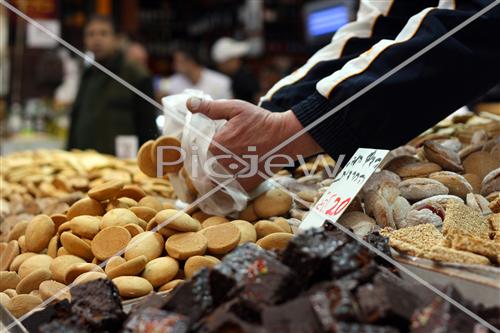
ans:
x=150 y=301
x=349 y=258
x=70 y=325
x=53 y=311
x=299 y=315
x=381 y=243
x=340 y=300
x=98 y=304
x=193 y=298
x=342 y=327
x=156 y=320
x=237 y=315
x=389 y=299
x=255 y=274
x=310 y=253
x=441 y=316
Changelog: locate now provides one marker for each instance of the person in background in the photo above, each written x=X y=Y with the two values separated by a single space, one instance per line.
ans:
x=228 y=54
x=105 y=109
x=191 y=74
x=137 y=54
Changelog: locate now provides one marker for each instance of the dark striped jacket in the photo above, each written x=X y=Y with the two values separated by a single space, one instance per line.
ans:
x=386 y=33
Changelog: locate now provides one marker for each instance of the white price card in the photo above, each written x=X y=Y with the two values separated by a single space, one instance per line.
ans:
x=126 y=146
x=344 y=188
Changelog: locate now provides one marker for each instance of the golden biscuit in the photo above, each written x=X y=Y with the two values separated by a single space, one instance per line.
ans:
x=221 y=238
x=109 y=242
x=17 y=231
x=77 y=269
x=265 y=228
x=131 y=191
x=85 y=226
x=113 y=262
x=33 y=263
x=147 y=243
x=283 y=224
x=185 y=245
x=196 y=263
x=58 y=219
x=275 y=241
x=89 y=276
x=8 y=280
x=38 y=233
x=144 y=161
x=144 y=213
x=106 y=191
x=177 y=220
x=213 y=220
x=248 y=214
x=132 y=286
x=76 y=246
x=62 y=252
x=60 y=265
x=51 y=288
x=118 y=217
x=20 y=305
x=22 y=244
x=85 y=206
x=274 y=202
x=247 y=231
x=10 y=292
x=132 y=267
x=52 y=247
x=32 y=281
x=150 y=202
x=171 y=285
x=133 y=229
x=8 y=254
x=160 y=271
x=14 y=266
x=200 y=216
x=166 y=150
x=4 y=299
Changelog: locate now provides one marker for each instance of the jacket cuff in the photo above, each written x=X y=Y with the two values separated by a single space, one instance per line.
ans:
x=333 y=133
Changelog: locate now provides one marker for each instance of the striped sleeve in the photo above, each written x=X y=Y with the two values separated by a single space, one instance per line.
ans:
x=450 y=75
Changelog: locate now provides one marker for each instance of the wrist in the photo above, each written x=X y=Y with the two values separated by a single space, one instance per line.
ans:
x=304 y=144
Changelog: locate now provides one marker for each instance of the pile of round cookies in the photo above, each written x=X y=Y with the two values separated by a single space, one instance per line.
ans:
x=120 y=233
x=49 y=181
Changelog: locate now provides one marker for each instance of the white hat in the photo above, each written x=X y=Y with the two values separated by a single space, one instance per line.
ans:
x=227 y=48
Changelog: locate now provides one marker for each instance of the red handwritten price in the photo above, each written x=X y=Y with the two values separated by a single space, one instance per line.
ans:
x=344 y=187
x=332 y=204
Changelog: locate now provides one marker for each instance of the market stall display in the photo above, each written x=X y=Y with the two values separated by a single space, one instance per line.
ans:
x=49 y=181
x=70 y=218
x=323 y=281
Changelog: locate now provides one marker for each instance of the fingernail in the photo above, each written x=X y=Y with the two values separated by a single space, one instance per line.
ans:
x=194 y=103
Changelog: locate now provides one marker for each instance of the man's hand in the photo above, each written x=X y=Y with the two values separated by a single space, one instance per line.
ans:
x=252 y=130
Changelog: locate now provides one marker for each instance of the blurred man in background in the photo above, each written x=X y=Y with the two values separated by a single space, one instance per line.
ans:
x=191 y=74
x=228 y=54
x=104 y=109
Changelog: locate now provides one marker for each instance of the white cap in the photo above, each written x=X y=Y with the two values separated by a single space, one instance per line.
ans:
x=227 y=48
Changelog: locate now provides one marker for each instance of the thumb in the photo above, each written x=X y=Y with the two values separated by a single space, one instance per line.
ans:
x=220 y=109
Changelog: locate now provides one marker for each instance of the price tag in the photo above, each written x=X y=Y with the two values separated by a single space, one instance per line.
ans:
x=344 y=188
x=126 y=146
